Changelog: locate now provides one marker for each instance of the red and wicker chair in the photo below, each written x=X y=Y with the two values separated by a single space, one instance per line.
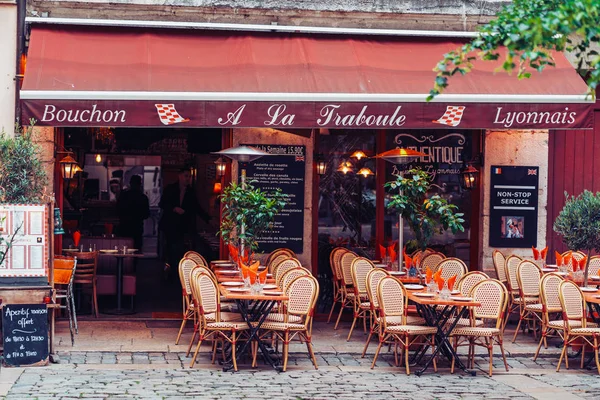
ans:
x=500 y=266
x=594 y=267
x=284 y=267
x=359 y=269
x=287 y=278
x=277 y=252
x=550 y=305
x=575 y=323
x=197 y=257
x=452 y=266
x=334 y=261
x=186 y=265
x=346 y=286
x=211 y=325
x=493 y=297
x=529 y=276
x=393 y=302
x=431 y=261
x=273 y=264
x=512 y=262
x=302 y=292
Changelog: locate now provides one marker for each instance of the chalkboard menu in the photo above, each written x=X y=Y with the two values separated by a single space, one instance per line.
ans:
x=284 y=169
x=514 y=206
x=25 y=334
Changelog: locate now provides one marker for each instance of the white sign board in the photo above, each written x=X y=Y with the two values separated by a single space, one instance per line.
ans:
x=28 y=254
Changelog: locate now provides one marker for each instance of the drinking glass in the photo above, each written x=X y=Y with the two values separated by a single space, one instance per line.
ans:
x=124 y=249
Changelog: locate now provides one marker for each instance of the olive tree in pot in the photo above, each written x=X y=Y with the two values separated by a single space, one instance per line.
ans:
x=424 y=215
x=250 y=208
x=579 y=224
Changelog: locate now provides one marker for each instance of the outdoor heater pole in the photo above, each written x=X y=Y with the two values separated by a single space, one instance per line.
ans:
x=243 y=184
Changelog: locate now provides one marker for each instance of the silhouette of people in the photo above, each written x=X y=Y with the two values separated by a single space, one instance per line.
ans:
x=133 y=209
x=178 y=222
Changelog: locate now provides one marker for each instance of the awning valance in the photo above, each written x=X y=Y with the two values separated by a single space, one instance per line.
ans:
x=86 y=76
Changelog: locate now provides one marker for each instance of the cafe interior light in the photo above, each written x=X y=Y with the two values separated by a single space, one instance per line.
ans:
x=469 y=176
x=345 y=167
x=221 y=165
x=67 y=167
x=358 y=154
x=365 y=172
x=98 y=158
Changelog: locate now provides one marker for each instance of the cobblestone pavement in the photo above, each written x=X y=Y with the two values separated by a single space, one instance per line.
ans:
x=102 y=375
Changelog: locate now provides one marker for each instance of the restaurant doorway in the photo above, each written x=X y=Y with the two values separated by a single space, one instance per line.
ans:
x=109 y=158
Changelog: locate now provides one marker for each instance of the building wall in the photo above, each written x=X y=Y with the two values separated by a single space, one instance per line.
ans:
x=8 y=51
x=272 y=136
x=456 y=15
x=518 y=148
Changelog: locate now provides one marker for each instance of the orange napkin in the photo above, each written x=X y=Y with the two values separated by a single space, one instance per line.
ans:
x=392 y=253
x=234 y=253
x=407 y=261
x=582 y=263
x=575 y=264
x=440 y=282
x=451 y=282
x=567 y=258
x=559 y=259
x=381 y=251
x=250 y=271
x=543 y=253
x=428 y=275
x=76 y=238
x=536 y=253
x=262 y=276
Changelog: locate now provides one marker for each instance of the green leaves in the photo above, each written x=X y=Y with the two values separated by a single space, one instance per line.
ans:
x=424 y=215
x=527 y=32
x=22 y=174
x=251 y=208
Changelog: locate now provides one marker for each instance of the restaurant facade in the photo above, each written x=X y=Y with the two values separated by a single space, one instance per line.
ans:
x=149 y=97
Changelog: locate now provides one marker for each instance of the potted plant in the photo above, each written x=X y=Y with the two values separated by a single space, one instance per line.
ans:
x=424 y=215
x=579 y=224
x=247 y=213
x=22 y=175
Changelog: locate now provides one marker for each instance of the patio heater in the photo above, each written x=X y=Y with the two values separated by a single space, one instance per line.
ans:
x=400 y=156
x=243 y=155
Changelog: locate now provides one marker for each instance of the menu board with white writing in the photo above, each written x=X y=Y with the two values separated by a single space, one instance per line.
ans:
x=25 y=334
x=25 y=227
x=284 y=169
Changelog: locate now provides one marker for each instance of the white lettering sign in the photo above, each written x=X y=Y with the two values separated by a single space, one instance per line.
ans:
x=509 y=118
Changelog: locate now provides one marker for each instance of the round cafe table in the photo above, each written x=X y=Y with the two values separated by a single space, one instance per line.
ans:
x=120 y=256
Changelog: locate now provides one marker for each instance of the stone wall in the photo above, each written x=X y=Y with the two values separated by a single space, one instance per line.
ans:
x=272 y=136
x=514 y=147
x=44 y=137
x=8 y=51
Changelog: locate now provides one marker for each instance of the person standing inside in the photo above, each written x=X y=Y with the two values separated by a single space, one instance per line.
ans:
x=178 y=222
x=133 y=208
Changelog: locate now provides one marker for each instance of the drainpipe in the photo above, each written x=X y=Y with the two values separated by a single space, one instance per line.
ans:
x=21 y=11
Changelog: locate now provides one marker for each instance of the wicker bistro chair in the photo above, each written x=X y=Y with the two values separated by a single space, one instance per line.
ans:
x=85 y=275
x=287 y=279
x=529 y=276
x=594 y=268
x=512 y=262
x=550 y=304
x=275 y=261
x=393 y=302
x=334 y=260
x=493 y=296
x=277 y=252
x=284 y=267
x=452 y=266
x=64 y=275
x=464 y=286
x=575 y=323
x=212 y=326
x=186 y=265
x=359 y=269
x=302 y=292
x=197 y=257
x=210 y=317
x=500 y=266
x=347 y=285
x=431 y=260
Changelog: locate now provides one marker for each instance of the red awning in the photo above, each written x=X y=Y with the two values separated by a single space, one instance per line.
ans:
x=79 y=76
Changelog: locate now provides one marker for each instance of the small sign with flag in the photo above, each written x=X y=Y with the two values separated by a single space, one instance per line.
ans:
x=498 y=171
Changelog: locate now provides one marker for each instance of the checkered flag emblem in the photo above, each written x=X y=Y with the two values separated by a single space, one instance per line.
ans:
x=452 y=116
x=168 y=114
